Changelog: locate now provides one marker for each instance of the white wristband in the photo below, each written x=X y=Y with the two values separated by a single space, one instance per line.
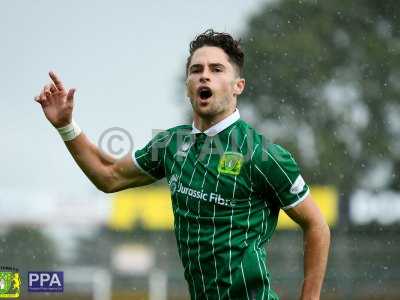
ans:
x=70 y=131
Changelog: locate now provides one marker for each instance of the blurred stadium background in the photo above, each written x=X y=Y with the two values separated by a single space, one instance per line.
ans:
x=323 y=79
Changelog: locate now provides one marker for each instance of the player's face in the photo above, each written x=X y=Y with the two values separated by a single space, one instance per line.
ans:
x=212 y=83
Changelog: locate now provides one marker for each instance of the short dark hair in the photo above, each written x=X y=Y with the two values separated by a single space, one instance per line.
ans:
x=221 y=40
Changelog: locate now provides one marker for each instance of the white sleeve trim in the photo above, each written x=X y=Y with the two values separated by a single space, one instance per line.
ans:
x=140 y=168
x=298 y=201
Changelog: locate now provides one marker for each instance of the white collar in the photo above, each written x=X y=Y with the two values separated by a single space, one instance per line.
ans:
x=221 y=125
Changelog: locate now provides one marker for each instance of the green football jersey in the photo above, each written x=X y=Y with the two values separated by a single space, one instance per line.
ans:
x=227 y=185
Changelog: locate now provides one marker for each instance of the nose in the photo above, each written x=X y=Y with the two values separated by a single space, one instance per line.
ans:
x=205 y=76
x=204 y=79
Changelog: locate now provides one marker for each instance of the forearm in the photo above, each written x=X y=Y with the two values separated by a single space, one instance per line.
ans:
x=96 y=164
x=107 y=173
x=316 y=249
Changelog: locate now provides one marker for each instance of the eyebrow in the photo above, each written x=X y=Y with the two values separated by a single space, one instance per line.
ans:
x=213 y=65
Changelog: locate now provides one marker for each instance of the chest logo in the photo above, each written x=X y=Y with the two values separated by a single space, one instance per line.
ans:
x=230 y=163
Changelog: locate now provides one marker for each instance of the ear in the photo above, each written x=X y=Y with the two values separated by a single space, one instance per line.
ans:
x=238 y=86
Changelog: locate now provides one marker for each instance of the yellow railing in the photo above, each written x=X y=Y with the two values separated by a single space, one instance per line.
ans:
x=150 y=207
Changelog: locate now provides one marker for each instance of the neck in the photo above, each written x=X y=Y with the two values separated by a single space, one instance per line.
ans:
x=203 y=123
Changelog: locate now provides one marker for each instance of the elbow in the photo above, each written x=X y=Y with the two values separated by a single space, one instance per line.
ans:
x=318 y=233
x=324 y=231
x=325 y=228
x=106 y=185
x=104 y=188
x=318 y=226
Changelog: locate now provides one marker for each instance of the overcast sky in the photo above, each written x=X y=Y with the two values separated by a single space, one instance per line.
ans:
x=125 y=58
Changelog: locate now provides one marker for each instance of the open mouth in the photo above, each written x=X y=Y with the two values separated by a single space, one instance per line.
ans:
x=204 y=93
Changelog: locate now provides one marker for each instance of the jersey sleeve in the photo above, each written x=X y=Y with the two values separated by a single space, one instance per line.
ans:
x=150 y=159
x=280 y=174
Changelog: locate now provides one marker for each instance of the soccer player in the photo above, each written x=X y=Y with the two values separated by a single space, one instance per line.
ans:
x=228 y=183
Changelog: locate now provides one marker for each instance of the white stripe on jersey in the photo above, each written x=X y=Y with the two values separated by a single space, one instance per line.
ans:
x=230 y=229
x=165 y=149
x=270 y=184
x=188 y=235
x=213 y=219
x=198 y=232
x=251 y=191
x=259 y=266
x=177 y=201
x=259 y=237
x=248 y=216
x=291 y=183
x=244 y=280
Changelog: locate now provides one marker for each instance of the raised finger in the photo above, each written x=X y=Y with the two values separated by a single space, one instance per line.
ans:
x=57 y=81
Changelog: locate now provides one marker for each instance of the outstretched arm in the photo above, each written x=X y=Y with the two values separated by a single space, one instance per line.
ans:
x=106 y=172
x=316 y=246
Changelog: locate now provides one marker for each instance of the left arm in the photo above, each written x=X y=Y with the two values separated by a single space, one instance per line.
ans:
x=316 y=246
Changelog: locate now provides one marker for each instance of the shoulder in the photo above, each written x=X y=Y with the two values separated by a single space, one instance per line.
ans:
x=185 y=127
x=277 y=164
x=269 y=154
x=275 y=151
x=171 y=132
x=261 y=142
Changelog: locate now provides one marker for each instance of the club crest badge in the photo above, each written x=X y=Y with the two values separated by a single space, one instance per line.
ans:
x=10 y=282
x=230 y=163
